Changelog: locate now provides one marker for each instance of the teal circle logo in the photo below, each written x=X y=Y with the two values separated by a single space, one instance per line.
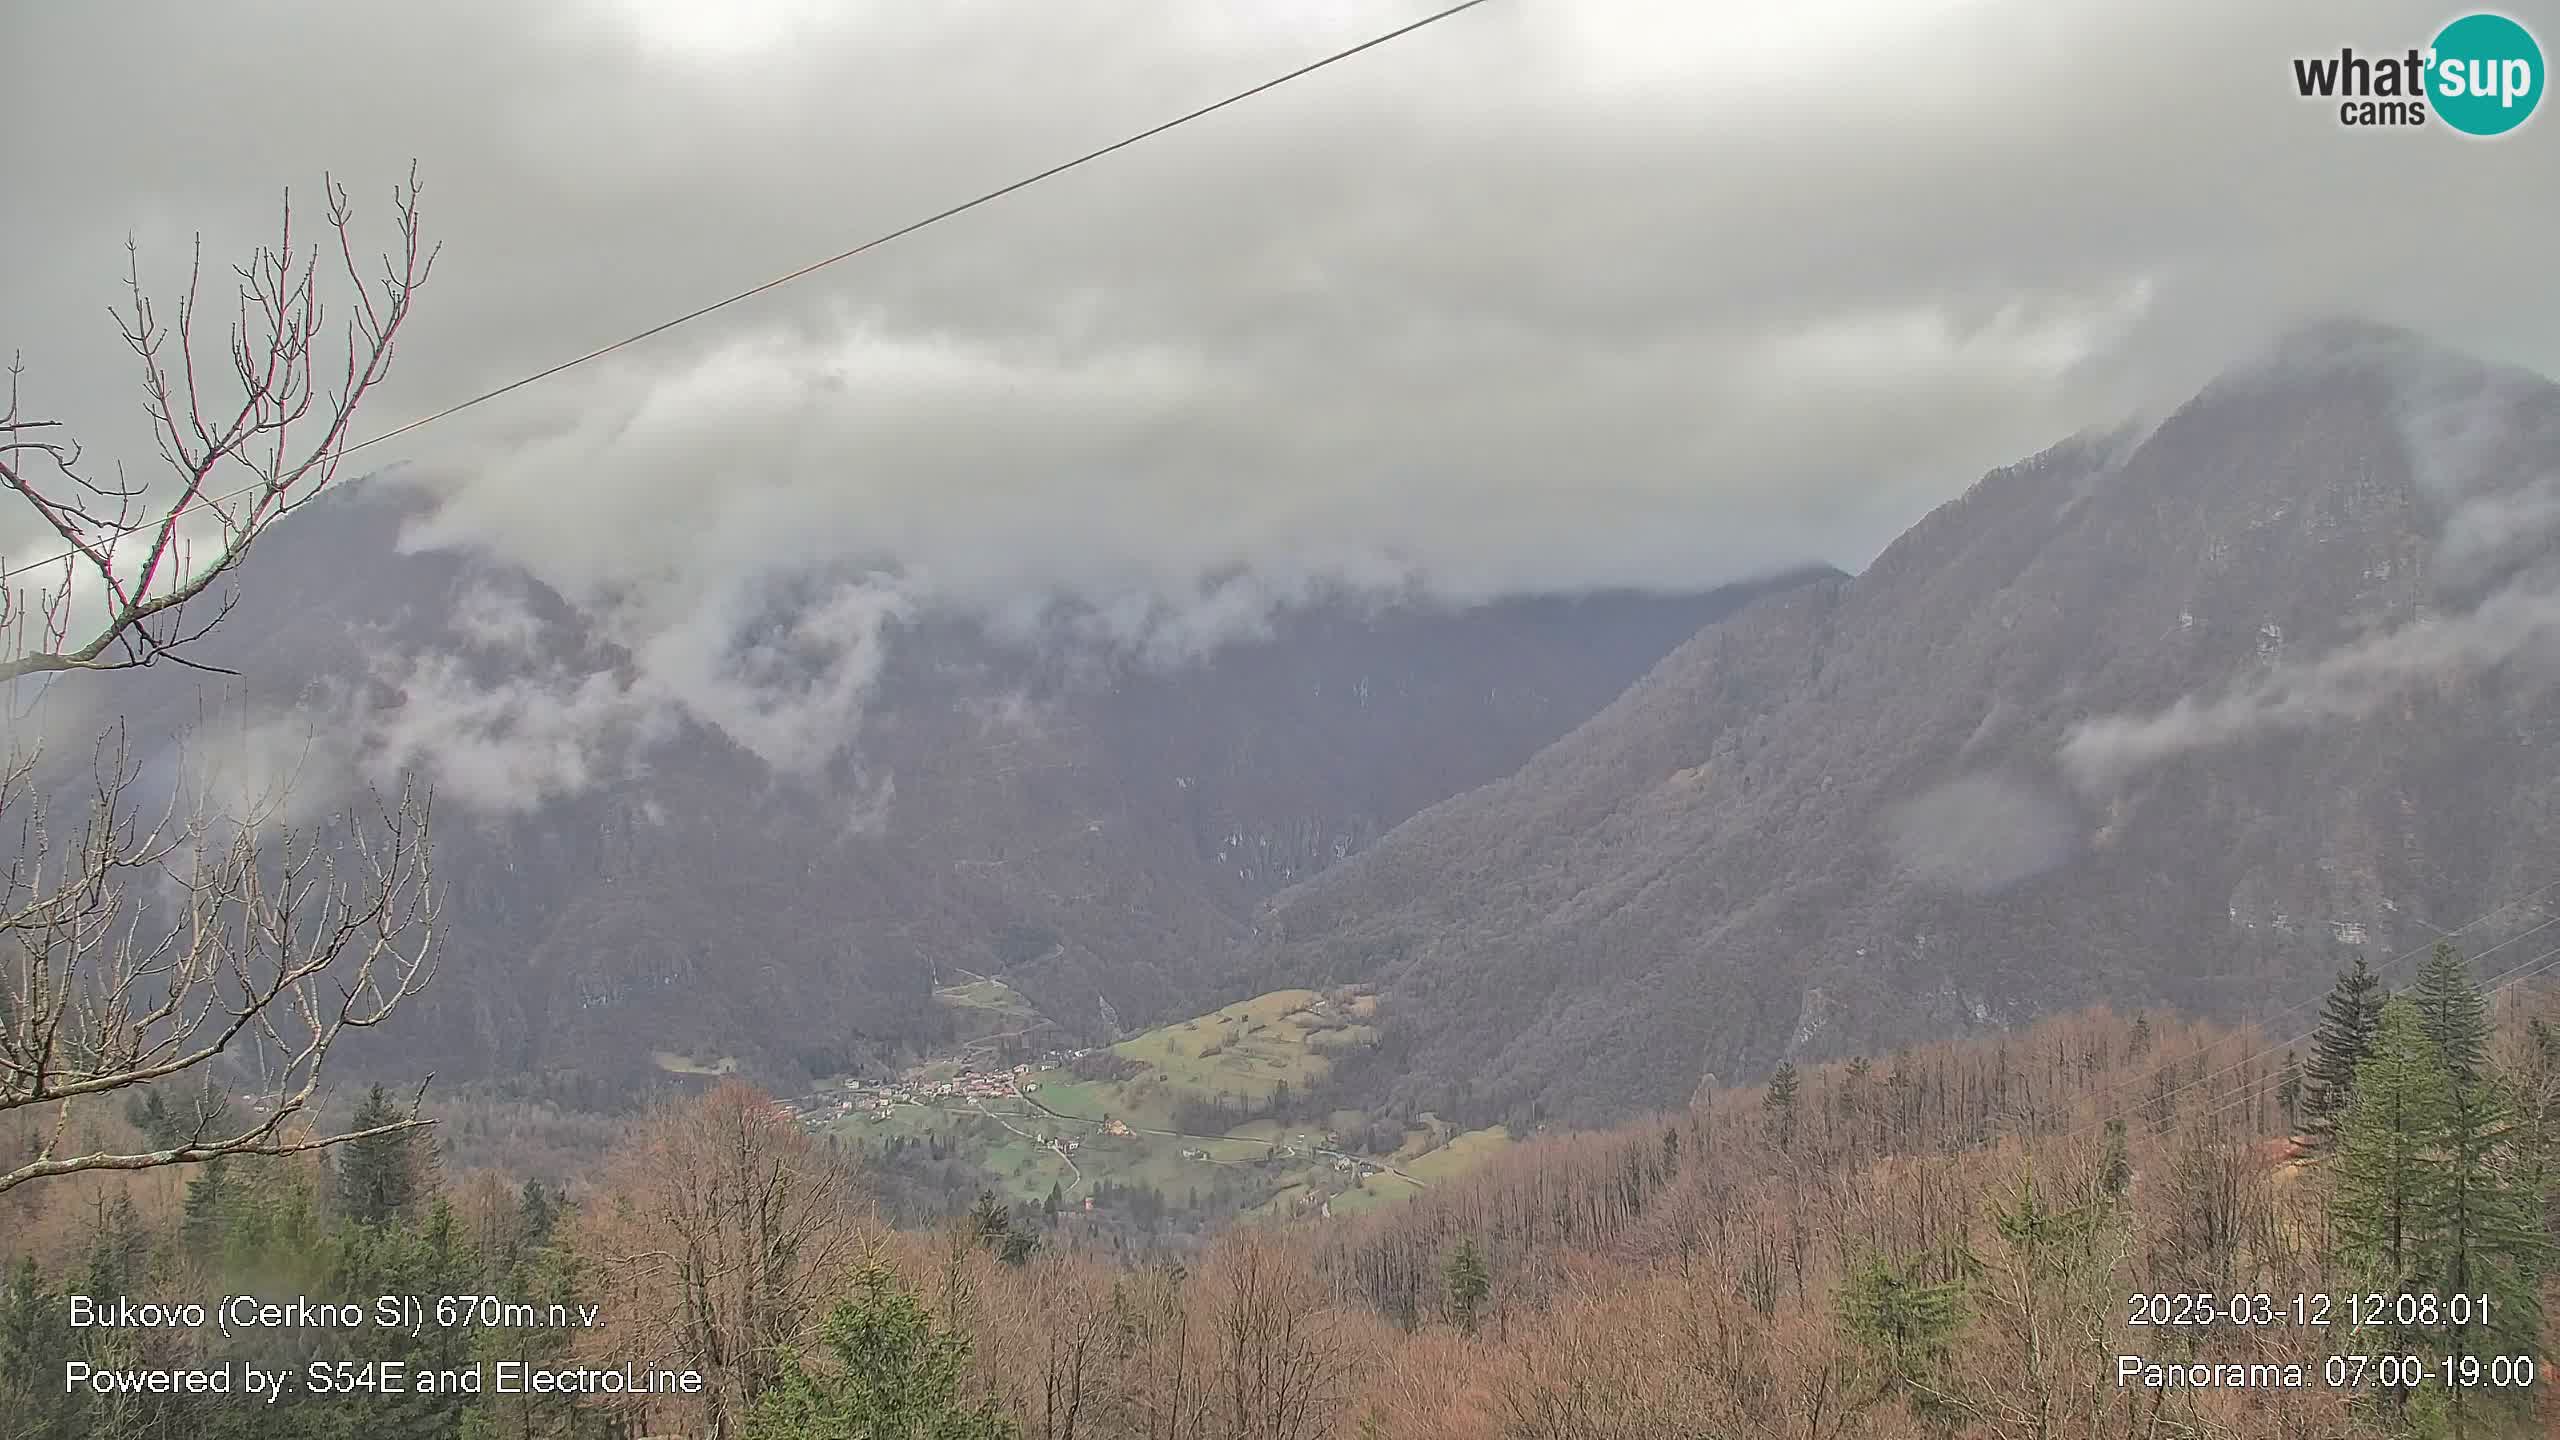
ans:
x=2484 y=74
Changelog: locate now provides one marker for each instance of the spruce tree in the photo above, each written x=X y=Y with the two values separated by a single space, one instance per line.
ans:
x=891 y=1372
x=201 y=1226
x=2455 y=1014
x=150 y=1114
x=2345 y=1037
x=34 y=1344
x=2492 y=1242
x=1779 y=1103
x=2390 y=1197
x=535 y=1213
x=991 y=1225
x=119 y=1248
x=1468 y=1284
x=990 y=1220
x=1903 y=1323
x=378 y=1176
x=2435 y=1196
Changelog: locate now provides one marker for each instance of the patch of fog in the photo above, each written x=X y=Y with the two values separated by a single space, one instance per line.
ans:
x=2518 y=624
x=2485 y=533
x=1981 y=833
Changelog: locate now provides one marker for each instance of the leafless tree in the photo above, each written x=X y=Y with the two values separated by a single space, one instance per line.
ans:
x=724 y=1233
x=147 y=940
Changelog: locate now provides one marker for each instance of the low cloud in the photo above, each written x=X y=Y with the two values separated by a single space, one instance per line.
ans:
x=511 y=712
x=1981 y=833
x=1534 y=300
x=2347 y=683
x=498 y=747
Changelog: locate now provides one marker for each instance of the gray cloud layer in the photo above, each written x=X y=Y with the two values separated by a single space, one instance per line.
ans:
x=1554 y=295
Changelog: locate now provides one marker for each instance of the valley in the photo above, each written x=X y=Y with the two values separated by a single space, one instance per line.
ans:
x=1258 y=722
x=1202 y=1119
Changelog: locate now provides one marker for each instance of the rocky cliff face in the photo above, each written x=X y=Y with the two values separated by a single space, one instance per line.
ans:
x=2180 y=715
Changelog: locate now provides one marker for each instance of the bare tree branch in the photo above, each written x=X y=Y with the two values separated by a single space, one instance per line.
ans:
x=152 y=944
x=151 y=939
x=133 y=554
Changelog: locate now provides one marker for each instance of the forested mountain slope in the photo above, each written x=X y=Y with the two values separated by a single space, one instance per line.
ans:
x=2178 y=715
x=624 y=877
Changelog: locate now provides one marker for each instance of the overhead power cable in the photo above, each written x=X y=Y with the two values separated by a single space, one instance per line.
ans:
x=2490 y=990
x=2255 y=1048
x=873 y=243
x=2380 y=972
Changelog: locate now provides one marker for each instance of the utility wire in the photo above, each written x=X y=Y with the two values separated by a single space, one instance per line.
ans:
x=871 y=244
x=2497 y=985
x=2381 y=971
x=2252 y=1053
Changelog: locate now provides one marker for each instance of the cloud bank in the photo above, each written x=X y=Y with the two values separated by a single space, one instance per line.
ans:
x=1543 y=298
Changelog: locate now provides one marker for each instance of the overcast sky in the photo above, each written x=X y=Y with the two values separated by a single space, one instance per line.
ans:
x=1558 y=293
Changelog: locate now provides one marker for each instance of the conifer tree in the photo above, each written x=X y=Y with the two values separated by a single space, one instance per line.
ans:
x=991 y=1225
x=535 y=1214
x=378 y=1176
x=2390 y=1197
x=1902 y=1322
x=990 y=1220
x=1468 y=1284
x=892 y=1372
x=34 y=1343
x=200 y=1227
x=2455 y=1014
x=2491 y=1242
x=119 y=1249
x=2434 y=1197
x=150 y=1114
x=1779 y=1103
x=2345 y=1037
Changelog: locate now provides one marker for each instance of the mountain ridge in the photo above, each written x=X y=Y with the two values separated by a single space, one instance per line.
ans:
x=1840 y=820
x=625 y=878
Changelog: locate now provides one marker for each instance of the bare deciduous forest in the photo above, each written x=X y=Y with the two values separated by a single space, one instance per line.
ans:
x=1951 y=1241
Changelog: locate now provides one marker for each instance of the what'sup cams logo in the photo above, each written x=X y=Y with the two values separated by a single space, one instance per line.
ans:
x=2481 y=75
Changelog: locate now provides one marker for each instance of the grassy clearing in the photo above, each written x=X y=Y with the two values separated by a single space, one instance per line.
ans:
x=675 y=1064
x=1082 y=1099
x=985 y=995
x=1461 y=1154
x=1373 y=1191
x=1249 y=1048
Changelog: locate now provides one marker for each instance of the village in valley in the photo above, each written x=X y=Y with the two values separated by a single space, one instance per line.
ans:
x=1193 y=1116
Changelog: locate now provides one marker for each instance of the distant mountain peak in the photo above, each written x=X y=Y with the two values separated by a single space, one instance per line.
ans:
x=1835 y=816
